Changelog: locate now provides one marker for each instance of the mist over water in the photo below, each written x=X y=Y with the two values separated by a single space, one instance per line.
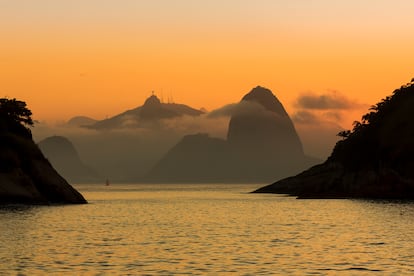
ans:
x=130 y=152
x=206 y=229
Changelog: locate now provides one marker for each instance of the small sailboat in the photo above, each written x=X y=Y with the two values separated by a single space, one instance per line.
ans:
x=107 y=182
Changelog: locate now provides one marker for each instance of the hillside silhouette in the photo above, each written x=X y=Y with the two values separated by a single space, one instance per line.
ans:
x=261 y=143
x=374 y=159
x=65 y=159
x=150 y=113
x=263 y=129
x=80 y=121
x=26 y=176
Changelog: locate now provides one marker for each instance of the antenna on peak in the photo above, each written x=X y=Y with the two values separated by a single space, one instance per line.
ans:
x=161 y=95
x=170 y=98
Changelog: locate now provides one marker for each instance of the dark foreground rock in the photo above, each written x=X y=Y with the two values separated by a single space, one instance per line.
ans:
x=26 y=176
x=333 y=180
x=374 y=160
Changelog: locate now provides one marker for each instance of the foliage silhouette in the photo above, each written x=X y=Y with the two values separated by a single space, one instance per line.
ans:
x=26 y=176
x=373 y=160
x=362 y=142
x=15 y=116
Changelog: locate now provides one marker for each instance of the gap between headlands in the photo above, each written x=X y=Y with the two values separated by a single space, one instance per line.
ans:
x=374 y=160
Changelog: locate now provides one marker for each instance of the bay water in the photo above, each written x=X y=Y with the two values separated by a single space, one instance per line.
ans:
x=195 y=229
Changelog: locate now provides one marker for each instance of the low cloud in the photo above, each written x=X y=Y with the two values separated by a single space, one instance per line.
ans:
x=331 y=100
x=318 y=117
x=242 y=108
x=225 y=111
x=305 y=117
x=331 y=106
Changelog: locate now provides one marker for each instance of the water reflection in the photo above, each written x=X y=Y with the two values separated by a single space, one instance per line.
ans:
x=217 y=229
x=15 y=208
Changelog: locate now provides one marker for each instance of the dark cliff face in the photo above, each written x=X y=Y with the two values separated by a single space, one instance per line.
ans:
x=373 y=160
x=264 y=129
x=27 y=177
x=65 y=159
x=262 y=144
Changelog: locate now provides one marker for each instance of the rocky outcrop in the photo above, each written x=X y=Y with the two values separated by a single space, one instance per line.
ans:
x=333 y=180
x=65 y=159
x=261 y=143
x=146 y=115
x=27 y=177
x=374 y=160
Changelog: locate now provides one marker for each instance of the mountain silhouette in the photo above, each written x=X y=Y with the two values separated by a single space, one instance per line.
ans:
x=152 y=111
x=265 y=129
x=26 y=176
x=261 y=143
x=374 y=160
x=81 y=121
x=65 y=158
x=196 y=158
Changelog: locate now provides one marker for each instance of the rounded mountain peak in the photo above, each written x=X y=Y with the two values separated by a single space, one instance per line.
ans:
x=266 y=98
x=264 y=132
x=58 y=145
x=152 y=101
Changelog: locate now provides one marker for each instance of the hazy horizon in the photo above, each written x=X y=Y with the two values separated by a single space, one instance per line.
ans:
x=134 y=150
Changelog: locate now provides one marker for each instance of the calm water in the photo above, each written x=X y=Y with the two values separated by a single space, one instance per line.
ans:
x=200 y=229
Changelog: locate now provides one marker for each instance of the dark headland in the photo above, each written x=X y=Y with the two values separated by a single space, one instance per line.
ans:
x=26 y=176
x=374 y=160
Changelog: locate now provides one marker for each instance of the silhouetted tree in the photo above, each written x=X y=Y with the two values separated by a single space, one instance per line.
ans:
x=16 y=111
x=362 y=143
x=15 y=117
x=344 y=134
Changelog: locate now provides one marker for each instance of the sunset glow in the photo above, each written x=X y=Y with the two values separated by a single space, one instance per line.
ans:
x=99 y=58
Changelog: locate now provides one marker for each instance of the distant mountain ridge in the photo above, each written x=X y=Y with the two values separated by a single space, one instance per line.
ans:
x=65 y=158
x=81 y=121
x=262 y=144
x=150 y=112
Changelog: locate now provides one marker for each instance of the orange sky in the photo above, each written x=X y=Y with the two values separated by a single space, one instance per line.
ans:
x=67 y=58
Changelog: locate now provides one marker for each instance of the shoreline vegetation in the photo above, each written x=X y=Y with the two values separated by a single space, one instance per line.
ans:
x=374 y=160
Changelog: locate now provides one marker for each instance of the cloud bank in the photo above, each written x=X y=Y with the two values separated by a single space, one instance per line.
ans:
x=330 y=100
x=318 y=118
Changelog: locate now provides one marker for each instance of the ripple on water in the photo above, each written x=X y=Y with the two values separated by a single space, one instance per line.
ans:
x=132 y=229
